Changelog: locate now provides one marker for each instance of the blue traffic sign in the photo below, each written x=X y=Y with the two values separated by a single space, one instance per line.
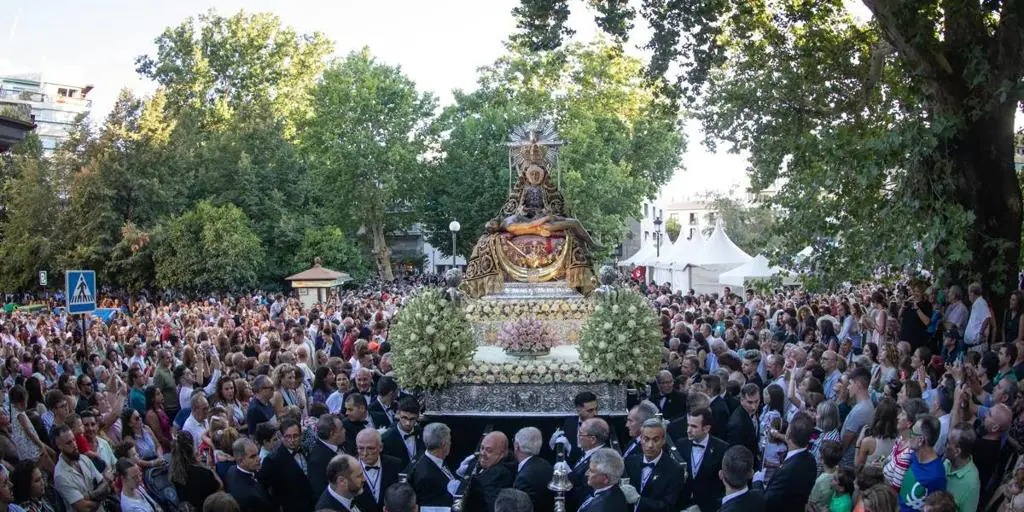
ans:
x=80 y=291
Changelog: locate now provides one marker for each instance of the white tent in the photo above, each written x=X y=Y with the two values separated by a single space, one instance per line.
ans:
x=718 y=255
x=662 y=262
x=640 y=257
x=755 y=269
x=684 y=251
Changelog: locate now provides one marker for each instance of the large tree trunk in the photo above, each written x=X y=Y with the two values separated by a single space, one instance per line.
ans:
x=988 y=186
x=381 y=252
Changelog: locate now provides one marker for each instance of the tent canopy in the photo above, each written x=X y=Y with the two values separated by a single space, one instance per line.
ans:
x=639 y=258
x=756 y=268
x=719 y=251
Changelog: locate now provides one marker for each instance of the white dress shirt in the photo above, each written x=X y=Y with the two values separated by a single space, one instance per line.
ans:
x=734 y=495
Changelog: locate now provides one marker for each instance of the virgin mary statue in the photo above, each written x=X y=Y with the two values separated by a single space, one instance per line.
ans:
x=532 y=239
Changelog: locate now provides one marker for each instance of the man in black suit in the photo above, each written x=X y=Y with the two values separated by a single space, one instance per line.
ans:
x=490 y=475
x=428 y=475
x=743 y=423
x=240 y=480
x=719 y=408
x=346 y=484
x=737 y=468
x=356 y=419
x=363 y=379
x=382 y=407
x=330 y=437
x=379 y=471
x=401 y=440
x=790 y=487
x=284 y=472
x=591 y=437
x=533 y=474
x=644 y=411
x=703 y=454
x=653 y=472
x=564 y=438
x=670 y=401
x=604 y=469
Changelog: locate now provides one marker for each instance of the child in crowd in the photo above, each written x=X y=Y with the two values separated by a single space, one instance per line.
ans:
x=842 y=491
x=821 y=495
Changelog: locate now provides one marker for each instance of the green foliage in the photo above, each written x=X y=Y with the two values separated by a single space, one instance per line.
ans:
x=889 y=142
x=672 y=228
x=750 y=226
x=363 y=142
x=336 y=250
x=623 y=142
x=621 y=340
x=208 y=248
x=432 y=342
x=212 y=66
x=29 y=231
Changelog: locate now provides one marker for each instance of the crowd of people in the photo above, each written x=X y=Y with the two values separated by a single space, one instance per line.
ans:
x=870 y=399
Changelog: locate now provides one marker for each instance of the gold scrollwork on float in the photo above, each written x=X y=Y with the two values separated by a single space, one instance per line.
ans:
x=538 y=268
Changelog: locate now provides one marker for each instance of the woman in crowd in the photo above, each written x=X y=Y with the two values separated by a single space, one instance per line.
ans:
x=323 y=384
x=876 y=440
x=156 y=418
x=135 y=431
x=134 y=497
x=1013 y=328
x=23 y=433
x=186 y=379
x=828 y=423
x=898 y=461
x=772 y=427
x=342 y=386
x=192 y=481
x=288 y=389
x=29 y=486
x=226 y=397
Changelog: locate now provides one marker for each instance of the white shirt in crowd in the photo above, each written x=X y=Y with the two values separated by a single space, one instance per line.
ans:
x=979 y=313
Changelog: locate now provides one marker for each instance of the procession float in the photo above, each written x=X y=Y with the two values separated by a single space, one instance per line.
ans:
x=529 y=325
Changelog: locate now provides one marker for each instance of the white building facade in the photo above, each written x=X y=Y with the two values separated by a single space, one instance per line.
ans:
x=53 y=105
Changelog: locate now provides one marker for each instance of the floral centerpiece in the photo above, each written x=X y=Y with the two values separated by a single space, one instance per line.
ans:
x=621 y=341
x=526 y=338
x=432 y=342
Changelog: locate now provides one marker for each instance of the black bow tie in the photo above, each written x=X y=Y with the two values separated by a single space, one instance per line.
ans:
x=698 y=445
x=649 y=465
x=375 y=468
x=295 y=452
x=407 y=436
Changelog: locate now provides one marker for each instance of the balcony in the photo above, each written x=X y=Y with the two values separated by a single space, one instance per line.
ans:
x=10 y=95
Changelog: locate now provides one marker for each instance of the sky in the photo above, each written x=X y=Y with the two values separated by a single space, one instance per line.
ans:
x=440 y=44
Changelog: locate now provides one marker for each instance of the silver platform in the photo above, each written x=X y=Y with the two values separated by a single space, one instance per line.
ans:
x=554 y=399
x=527 y=291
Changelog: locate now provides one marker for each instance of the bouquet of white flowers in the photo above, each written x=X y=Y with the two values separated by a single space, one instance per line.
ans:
x=431 y=342
x=621 y=341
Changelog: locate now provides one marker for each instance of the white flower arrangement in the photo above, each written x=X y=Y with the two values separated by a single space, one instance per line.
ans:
x=432 y=342
x=621 y=341
x=525 y=372
x=528 y=309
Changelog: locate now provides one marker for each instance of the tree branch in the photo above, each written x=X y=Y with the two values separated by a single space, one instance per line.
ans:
x=917 y=48
x=1009 y=41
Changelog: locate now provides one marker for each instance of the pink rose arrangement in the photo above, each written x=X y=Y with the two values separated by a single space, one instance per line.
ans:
x=526 y=337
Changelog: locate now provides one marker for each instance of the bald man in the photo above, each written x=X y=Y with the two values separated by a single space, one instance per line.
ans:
x=491 y=475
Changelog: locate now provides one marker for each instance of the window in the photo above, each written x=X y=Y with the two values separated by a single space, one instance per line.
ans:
x=645 y=210
x=62 y=92
x=693 y=218
x=647 y=235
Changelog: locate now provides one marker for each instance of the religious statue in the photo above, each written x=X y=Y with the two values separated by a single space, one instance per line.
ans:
x=532 y=239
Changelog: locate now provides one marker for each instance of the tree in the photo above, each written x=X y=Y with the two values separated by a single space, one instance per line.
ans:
x=892 y=140
x=363 y=142
x=623 y=143
x=207 y=248
x=336 y=250
x=750 y=226
x=212 y=66
x=672 y=228
x=31 y=235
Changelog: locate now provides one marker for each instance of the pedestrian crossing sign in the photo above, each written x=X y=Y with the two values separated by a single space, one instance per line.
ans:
x=80 y=291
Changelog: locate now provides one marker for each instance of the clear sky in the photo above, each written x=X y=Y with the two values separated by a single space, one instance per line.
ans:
x=438 y=43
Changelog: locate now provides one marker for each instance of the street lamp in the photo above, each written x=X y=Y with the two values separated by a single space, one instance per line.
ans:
x=657 y=235
x=454 y=227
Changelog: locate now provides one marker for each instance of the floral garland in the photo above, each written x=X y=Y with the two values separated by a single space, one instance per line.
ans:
x=432 y=342
x=526 y=336
x=621 y=341
x=525 y=372
x=529 y=309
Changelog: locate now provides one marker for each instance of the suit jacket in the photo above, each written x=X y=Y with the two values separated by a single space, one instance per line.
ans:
x=632 y=448
x=485 y=486
x=533 y=479
x=675 y=405
x=393 y=445
x=719 y=417
x=316 y=463
x=676 y=428
x=247 y=491
x=327 y=502
x=612 y=500
x=381 y=419
x=661 y=492
x=742 y=431
x=580 y=490
x=732 y=401
x=790 y=487
x=750 y=501
x=351 y=431
x=429 y=482
x=289 y=486
x=389 y=469
x=704 y=488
